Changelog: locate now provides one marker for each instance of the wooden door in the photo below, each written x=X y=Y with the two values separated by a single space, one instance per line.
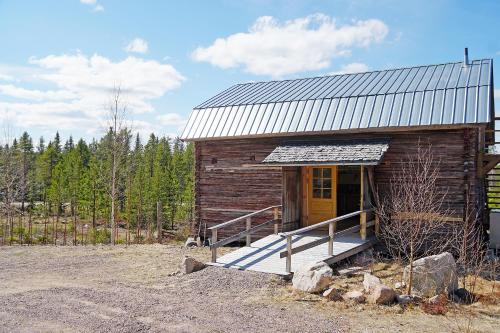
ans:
x=321 y=194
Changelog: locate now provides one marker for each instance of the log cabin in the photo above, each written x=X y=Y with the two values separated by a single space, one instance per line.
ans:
x=294 y=158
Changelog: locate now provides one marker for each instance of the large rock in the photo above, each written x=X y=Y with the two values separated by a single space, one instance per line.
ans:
x=381 y=294
x=370 y=282
x=433 y=275
x=313 y=278
x=190 y=242
x=352 y=271
x=354 y=296
x=332 y=294
x=190 y=265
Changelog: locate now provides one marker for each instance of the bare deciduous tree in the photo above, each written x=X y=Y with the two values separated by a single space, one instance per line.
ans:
x=413 y=213
x=10 y=178
x=118 y=131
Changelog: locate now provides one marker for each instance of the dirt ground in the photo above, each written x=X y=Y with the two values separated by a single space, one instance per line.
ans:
x=137 y=289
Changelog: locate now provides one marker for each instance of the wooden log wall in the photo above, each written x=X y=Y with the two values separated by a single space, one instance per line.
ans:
x=229 y=182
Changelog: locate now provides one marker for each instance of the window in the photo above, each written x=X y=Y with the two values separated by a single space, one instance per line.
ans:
x=322 y=183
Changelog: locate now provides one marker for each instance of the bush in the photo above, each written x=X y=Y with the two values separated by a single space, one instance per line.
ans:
x=436 y=308
x=41 y=239
x=99 y=236
x=139 y=239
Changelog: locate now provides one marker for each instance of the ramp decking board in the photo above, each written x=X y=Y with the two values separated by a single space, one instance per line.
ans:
x=263 y=255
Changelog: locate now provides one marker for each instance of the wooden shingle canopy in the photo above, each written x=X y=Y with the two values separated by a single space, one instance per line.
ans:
x=339 y=152
x=442 y=95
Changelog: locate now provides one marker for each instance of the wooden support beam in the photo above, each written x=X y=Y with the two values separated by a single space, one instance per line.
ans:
x=362 y=230
x=492 y=162
x=276 y=217
x=331 y=233
x=289 y=254
x=214 y=249
x=362 y=216
x=249 y=226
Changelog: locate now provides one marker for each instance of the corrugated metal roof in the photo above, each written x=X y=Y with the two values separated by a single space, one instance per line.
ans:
x=416 y=96
x=339 y=152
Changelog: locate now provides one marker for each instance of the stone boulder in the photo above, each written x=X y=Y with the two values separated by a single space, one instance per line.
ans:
x=433 y=275
x=190 y=265
x=313 y=278
x=404 y=299
x=381 y=294
x=355 y=296
x=370 y=282
x=332 y=294
x=190 y=242
x=463 y=296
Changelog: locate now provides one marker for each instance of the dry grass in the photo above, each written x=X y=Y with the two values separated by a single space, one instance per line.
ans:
x=482 y=316
x=139 y=271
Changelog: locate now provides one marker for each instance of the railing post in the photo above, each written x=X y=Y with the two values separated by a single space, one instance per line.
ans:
x=276 y=216
x=377 y=224
x=362 y=222
x=214 y=249
x=249 y=226
x=289 y=254
x=331 y=233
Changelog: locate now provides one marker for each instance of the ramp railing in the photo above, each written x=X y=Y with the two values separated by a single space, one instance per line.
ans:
x=332 y=226
x=215 y=243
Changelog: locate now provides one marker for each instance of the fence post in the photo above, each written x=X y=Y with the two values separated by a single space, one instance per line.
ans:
x=276 y=216
x=377 y=224
x=331 y=233
x=214 y=249
x=249 y=226
x=289 y=254
x=362 y=229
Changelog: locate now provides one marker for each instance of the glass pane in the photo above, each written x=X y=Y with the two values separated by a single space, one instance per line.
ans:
x=327 y=183
x=316 y=172
x=316 y=183
x=327 y=173
x=317 y=193
x=327 y=193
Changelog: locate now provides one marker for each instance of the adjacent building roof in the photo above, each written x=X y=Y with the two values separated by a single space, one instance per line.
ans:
x=445 y=94
x=341 y=152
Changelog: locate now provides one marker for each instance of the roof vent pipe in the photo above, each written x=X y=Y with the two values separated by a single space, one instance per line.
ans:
x=466 y=57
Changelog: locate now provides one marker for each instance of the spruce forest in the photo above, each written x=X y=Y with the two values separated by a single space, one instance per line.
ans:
x=118 y=189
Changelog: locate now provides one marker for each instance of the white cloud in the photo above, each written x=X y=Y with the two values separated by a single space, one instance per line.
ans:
x=97 y=7
x=83 y=86
x=273 y=48
x=5 y=77
x=496 y=93
x=31 y=94
x=172 y=119
x=355 y=67
x=138 y=45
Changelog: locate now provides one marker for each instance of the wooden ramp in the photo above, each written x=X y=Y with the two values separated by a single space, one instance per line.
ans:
x=264 y=255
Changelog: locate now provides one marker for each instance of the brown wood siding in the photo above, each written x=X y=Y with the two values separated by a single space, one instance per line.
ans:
x=229 y=184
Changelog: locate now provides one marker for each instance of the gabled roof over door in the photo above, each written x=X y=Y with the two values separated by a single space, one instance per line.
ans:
x=328 y=152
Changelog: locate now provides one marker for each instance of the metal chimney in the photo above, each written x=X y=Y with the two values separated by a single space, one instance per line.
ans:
x=466 y=57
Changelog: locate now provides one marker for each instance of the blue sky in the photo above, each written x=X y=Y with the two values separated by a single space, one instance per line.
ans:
x=60 y=59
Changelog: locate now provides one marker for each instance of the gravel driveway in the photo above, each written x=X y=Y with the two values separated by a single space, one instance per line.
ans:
x=136 y=289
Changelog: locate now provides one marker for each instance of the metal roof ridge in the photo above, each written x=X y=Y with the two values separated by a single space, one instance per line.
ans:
x=374 y=71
